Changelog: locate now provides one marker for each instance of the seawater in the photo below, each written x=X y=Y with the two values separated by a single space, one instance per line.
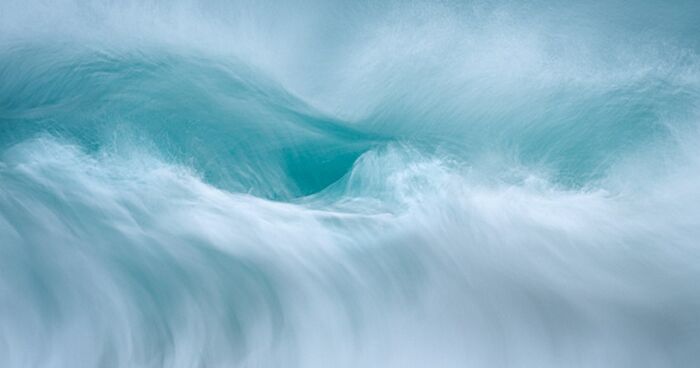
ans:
x=349 y=184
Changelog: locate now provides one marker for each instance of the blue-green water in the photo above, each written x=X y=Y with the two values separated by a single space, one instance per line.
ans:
x=349 y=184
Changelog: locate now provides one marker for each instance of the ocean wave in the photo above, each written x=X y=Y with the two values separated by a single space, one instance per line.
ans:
x=205 y=184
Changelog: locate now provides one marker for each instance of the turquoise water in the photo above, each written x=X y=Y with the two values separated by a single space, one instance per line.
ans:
x=335 y=184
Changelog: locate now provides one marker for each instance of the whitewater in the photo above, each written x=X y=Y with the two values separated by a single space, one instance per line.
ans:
x=205 y=183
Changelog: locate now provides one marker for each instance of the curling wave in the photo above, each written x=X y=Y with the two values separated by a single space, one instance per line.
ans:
x=209 y=185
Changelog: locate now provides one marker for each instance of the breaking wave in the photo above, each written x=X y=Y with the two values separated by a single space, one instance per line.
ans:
x=315 y=184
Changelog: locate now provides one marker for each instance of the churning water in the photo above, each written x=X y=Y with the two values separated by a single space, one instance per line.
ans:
x=349 y=184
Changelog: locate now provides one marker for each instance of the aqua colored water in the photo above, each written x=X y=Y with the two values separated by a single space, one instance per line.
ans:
x=349 y=184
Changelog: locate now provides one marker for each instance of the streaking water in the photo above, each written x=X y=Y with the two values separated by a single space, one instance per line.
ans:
x=349 y=184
